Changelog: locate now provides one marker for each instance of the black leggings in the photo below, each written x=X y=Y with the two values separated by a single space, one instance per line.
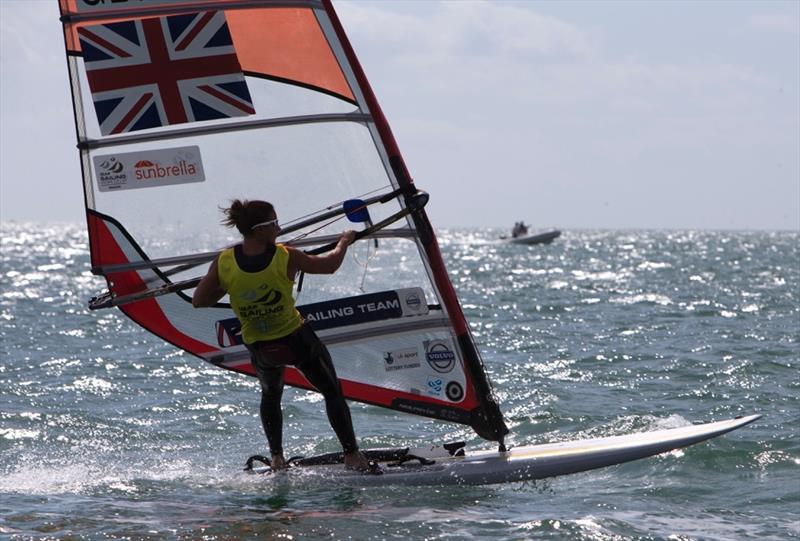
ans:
x=303 y=350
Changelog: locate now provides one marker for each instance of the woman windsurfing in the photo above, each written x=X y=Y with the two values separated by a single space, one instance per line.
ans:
x=258 y=276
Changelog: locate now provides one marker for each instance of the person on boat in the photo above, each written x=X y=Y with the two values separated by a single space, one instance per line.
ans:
x=258 y=276
x=519 y=229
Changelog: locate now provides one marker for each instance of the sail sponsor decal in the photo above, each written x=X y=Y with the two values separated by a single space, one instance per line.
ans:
x=413 y=301
x=438 y=387
x=155 y=72
x=454 y=391
x=437 y=411
x=434 y=386
x=343 y=312
x=365 y=308
x=148 y=169
x=401 y=359
x=440 y=355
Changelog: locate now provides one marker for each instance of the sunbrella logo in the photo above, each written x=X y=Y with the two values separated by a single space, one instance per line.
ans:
x=439 y=356
x=149 y=169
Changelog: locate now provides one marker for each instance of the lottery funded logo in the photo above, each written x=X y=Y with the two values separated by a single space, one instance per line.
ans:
x=401 y=359
x=440 y=355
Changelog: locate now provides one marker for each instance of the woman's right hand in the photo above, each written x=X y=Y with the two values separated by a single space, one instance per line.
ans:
x=348 y=237
x=319 y=264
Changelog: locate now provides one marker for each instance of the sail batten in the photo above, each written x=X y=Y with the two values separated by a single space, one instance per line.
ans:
x=91 y=144
x=209 y=256
x=290 y=117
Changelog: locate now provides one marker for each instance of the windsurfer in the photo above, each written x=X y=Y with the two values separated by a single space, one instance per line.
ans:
x=258 y=276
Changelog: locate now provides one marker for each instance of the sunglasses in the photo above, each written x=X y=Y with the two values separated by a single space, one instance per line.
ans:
x=264 y=224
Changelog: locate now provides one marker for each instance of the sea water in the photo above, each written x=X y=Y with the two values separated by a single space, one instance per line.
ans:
x=107 y=432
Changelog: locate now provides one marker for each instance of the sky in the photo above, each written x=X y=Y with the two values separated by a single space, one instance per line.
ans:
x=573 y=115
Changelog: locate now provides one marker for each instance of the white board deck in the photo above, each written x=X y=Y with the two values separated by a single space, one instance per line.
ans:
x=525 y=463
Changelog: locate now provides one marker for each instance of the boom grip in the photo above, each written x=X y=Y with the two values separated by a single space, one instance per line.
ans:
x=416 y=203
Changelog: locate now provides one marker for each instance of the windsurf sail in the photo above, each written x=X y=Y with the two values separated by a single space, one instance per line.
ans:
x=181 y=106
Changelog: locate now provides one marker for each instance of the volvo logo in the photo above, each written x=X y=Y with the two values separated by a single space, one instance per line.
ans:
x=440 y=357
x=413 y=301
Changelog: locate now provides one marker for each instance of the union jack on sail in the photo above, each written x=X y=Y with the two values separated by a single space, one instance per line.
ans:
x=155 y=72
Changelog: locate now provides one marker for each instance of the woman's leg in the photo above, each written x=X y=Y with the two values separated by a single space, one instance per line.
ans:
x=315 y=363
x=271 y=379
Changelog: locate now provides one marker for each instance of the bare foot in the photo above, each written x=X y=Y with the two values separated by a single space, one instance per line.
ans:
x=278 y=462
x=358 y=462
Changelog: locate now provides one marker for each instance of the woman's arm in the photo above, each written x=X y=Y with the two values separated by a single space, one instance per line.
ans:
x=319 y=264
x=209 y=290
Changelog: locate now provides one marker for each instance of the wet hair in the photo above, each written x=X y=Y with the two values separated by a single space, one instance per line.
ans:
x=244 y=214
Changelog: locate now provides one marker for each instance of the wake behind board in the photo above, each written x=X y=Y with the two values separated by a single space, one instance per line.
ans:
x=440 y=466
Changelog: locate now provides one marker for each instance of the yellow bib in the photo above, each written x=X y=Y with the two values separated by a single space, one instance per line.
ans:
x=262 y=300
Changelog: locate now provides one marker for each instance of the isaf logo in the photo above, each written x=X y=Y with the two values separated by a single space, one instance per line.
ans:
x=112 y=165
x=439 y=356
x=263 y=296
x=261 y=303
x=111 y=174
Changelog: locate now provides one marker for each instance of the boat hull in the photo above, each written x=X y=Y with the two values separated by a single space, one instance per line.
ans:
x=539 y=238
